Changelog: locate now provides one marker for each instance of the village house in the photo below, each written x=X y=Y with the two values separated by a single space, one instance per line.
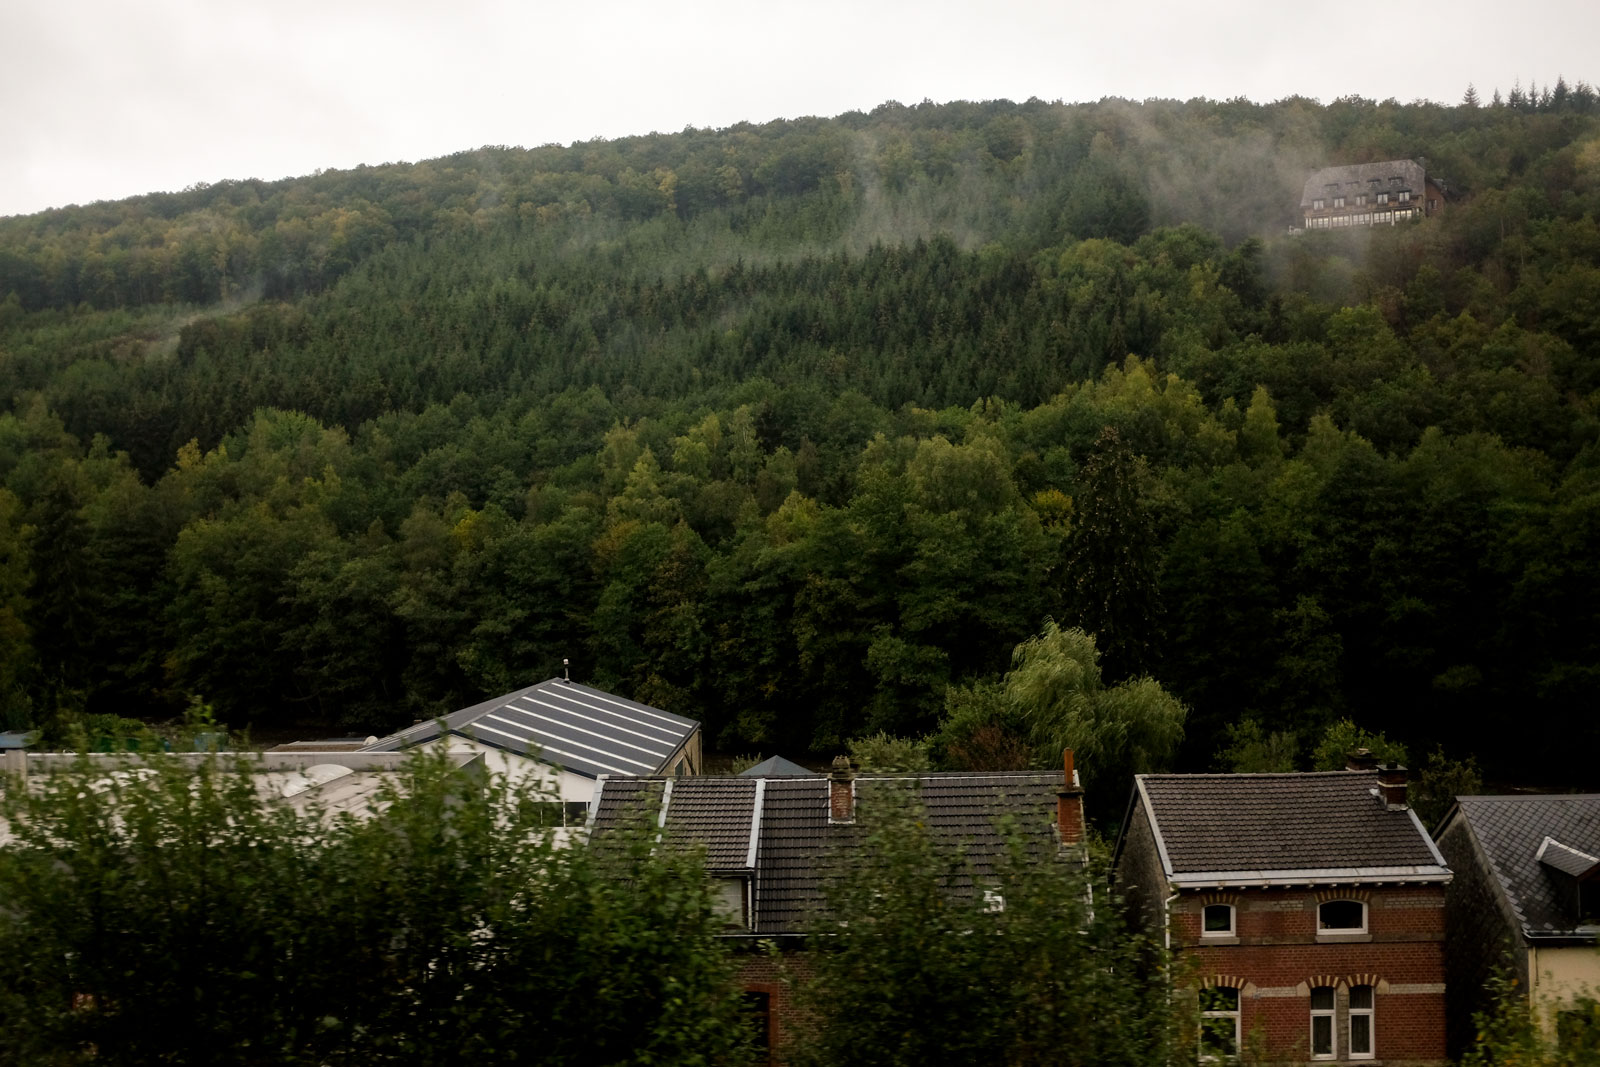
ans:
x=1307 y=910
x=768 y=841
x=1524 y=903
x=565 y=737
x=1369 y=194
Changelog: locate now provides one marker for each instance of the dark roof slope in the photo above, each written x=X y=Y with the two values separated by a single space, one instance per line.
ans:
x=1284 y=827
x=795 y=842
x=773 y=766
x=567 y=725
x=1510 y=830
x=1358 y=178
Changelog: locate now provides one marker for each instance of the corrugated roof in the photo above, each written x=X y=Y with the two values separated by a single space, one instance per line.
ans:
x=1510 y=830
x=568 y=725
x=795 y=842
x=1289 y=825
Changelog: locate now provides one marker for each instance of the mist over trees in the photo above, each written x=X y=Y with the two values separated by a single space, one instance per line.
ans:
x=800 y=428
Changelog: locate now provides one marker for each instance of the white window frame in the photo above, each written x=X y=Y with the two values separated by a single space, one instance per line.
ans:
x=1338 y=201
x=1323 y=929
x=1330 y=1013
x=1405 y=196
x=1370 y=1013
x=1233 y=921
x=1235 y=1014
x=1383 y=198
x=1316 y=205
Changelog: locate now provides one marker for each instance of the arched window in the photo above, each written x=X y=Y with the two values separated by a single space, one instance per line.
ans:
x=1342 y=917
x=1219 y=1024
x=1362 y=1036
x=1217 y=921
x=1323 y=1046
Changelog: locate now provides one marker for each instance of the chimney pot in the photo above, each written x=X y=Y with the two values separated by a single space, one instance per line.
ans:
x=842 y=791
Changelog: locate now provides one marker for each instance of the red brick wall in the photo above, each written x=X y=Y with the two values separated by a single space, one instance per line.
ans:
x=760 y=972
x=1275 y=958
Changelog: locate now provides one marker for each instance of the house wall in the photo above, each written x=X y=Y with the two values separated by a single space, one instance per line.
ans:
x=1557 y=974
x=1139 y=877
x=1482 y=936
x=761 y=971
x=1276 y=956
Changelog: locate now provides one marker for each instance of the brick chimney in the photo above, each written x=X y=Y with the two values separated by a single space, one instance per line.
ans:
x=1069 y=804
x=1392 y=786
x=842 y=791
x=1360 y=759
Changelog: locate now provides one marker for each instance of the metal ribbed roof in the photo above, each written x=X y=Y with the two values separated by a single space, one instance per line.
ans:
x=566 y=725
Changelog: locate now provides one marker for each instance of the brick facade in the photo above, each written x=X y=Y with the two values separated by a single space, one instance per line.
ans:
x=1275 y=957
x=774 y=975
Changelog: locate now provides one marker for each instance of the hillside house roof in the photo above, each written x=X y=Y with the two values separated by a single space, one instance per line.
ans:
x=1537 y=849
x=776 y=766
x=776 y=831
x=1283 y=829
x=1391 y=175
x=566 y=725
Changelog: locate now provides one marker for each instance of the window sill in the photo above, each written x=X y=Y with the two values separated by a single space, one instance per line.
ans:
x=1328 y=937
x=1218 y=939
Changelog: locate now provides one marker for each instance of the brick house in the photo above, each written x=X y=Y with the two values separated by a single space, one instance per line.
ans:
x=768 y=841
x=1370 y=194
x=1306 y=911
x=1525 y=902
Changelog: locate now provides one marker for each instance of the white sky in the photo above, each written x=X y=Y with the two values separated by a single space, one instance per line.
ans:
x=101 y=99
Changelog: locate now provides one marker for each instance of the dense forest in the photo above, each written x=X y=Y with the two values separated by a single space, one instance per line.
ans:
x=798 y=428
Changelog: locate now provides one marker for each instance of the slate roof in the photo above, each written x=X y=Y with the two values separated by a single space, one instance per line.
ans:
x=567 y=725
x=774 y=766
x=1357 y=178
x=1283 y=829
x=1510 y=832
x=787 y=819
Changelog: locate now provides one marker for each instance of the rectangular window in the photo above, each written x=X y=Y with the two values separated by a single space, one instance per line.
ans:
x=1383 y=198
x=1219 y=1024
x=1338 y=201
x=1322 y=1047
x=1342 y=916
x=1316 y=205
x=1405 y=195
x=1361 y=1022
x=1361 y=201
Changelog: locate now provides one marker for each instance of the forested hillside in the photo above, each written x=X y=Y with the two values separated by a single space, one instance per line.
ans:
x=792 y=427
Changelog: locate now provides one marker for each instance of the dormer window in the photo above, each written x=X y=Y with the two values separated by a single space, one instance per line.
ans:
x=1338 y=201
x=1217 y=921
x=1361 y=201
x=1405 y=195
x=1342 y=917
x=1317 y=205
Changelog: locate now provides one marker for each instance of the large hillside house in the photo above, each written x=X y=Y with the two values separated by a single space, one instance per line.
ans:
x=1369 y=194
x=1307 y=911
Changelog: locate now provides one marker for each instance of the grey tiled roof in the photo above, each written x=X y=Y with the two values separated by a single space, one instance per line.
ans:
x=773 y=766
x=1510 y=831
x=795 y=841
x=1273 y=824
x=1358 y=177
x=568 y=725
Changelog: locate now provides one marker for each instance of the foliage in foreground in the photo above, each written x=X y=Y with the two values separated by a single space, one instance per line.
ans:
x=921 y=959
x=164 y=915
x=1509 y=1036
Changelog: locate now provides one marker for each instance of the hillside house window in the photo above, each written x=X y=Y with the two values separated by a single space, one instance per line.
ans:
x=1219 y=1024
x=1342 y=917
x=1322 y=1008
x=1361 y=1022
x=1383 y=198
x=1405 y=195
x=1361 y=201
x=1217 y=921
x=1338 y=201
x=1316 y=205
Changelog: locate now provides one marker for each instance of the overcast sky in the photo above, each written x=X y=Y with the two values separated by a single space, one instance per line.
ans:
x=101 y=99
